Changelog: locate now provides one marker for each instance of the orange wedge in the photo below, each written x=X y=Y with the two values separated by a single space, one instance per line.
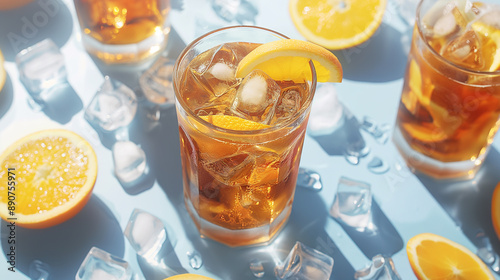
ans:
x=233 y=122
x=3 y=74
x=188 y=276
x=337 y=24
x=46 y=178
x=288 y=59
x=495 y=210
x=434 y=257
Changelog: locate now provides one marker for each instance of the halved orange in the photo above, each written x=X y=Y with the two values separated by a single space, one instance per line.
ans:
x=495 y=210
x=188 y=276
x=46 y=178
x=288 y=59
x=434 y=257
x=3 y=74
x=233 y=122
x=337 y=24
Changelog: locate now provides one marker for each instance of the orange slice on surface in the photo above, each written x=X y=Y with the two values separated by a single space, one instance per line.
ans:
x=3 y=74
x=188 y=276
x=233 y=122
x=434 y=257
x=337 y=24
x=288 y=59
x=495 y=210
x=46 y=178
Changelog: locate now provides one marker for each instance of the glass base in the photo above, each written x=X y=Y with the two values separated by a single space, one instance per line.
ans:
x=241 y=237
x=419 y=163
x=127 y=53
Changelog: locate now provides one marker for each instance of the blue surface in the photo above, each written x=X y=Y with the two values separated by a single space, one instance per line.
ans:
x=405 y=204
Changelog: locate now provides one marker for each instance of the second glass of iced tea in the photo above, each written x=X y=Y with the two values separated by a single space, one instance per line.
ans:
x=239 y=183
x=450 y=104
x=123 y=31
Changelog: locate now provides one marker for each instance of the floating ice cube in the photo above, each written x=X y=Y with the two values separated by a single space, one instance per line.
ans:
x=39 y=270
x=41 y=67
x=216 y=74
x=327 y=112
x=309 y=179
x=156 y=82
x=465 y=50
x=289 y=103
x=101 y=265
x=146 y=234
x=256 y=97
x=352 y=204
x=305 y=263
x=113 y=106
x=381 y=268
x=129 y=160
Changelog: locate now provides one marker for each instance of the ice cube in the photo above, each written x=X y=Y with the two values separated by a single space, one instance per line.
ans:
x=242 y=11
x=305 y=263
x=256 y=97
x=156 y=82
x=41 y=67
x=129 y=161
x=289 y=103
x=146 y=234
x=101 y=265
x=380 y=268
x=309 y=179
x=465 y=50
x=445 y=26
x=216 y=73
x=39 y=270
x=327 y=113
x=114 y=105
x=352 y=204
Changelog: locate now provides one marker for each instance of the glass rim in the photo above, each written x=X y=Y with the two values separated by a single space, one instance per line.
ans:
x=271 y=128
x=418 y=23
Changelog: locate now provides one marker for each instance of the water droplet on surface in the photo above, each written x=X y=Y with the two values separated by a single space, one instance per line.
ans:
x=257 y=268
x=195 y=260
x=378 y=166
x=309 y=179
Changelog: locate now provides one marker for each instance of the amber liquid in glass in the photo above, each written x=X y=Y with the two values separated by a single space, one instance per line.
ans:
x=447 y=111
x=123 y=22
x=236 y=183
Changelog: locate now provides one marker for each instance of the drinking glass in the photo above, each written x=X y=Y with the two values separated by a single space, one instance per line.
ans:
x=123 y=31
x=450 y=103
x=238 y=184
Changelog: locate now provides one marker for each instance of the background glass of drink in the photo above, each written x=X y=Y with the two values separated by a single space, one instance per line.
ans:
x=450 y=103
x=123 y=31
x=238 y=185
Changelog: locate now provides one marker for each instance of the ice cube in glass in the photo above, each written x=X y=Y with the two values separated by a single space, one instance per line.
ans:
x=114 y=105
x=146 y=234
x=380 y=268
x=156 y=82
x=256 y=97
x=305 y=263
x=289 y=104
x=352 y=204
x=129 y=161
x=41 y=67
x=101 y=265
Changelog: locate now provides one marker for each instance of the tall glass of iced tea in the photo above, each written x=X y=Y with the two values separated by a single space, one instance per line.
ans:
x=450 y=104
x=241 y=139
x=123 y=31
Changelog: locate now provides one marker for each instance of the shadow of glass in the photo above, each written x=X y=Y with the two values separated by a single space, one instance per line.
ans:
x=384 y=239
x=468 y=203
x=25 y=26
x=61 y=103
x=63 y=247
x=6 y=96
x=380 y=59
